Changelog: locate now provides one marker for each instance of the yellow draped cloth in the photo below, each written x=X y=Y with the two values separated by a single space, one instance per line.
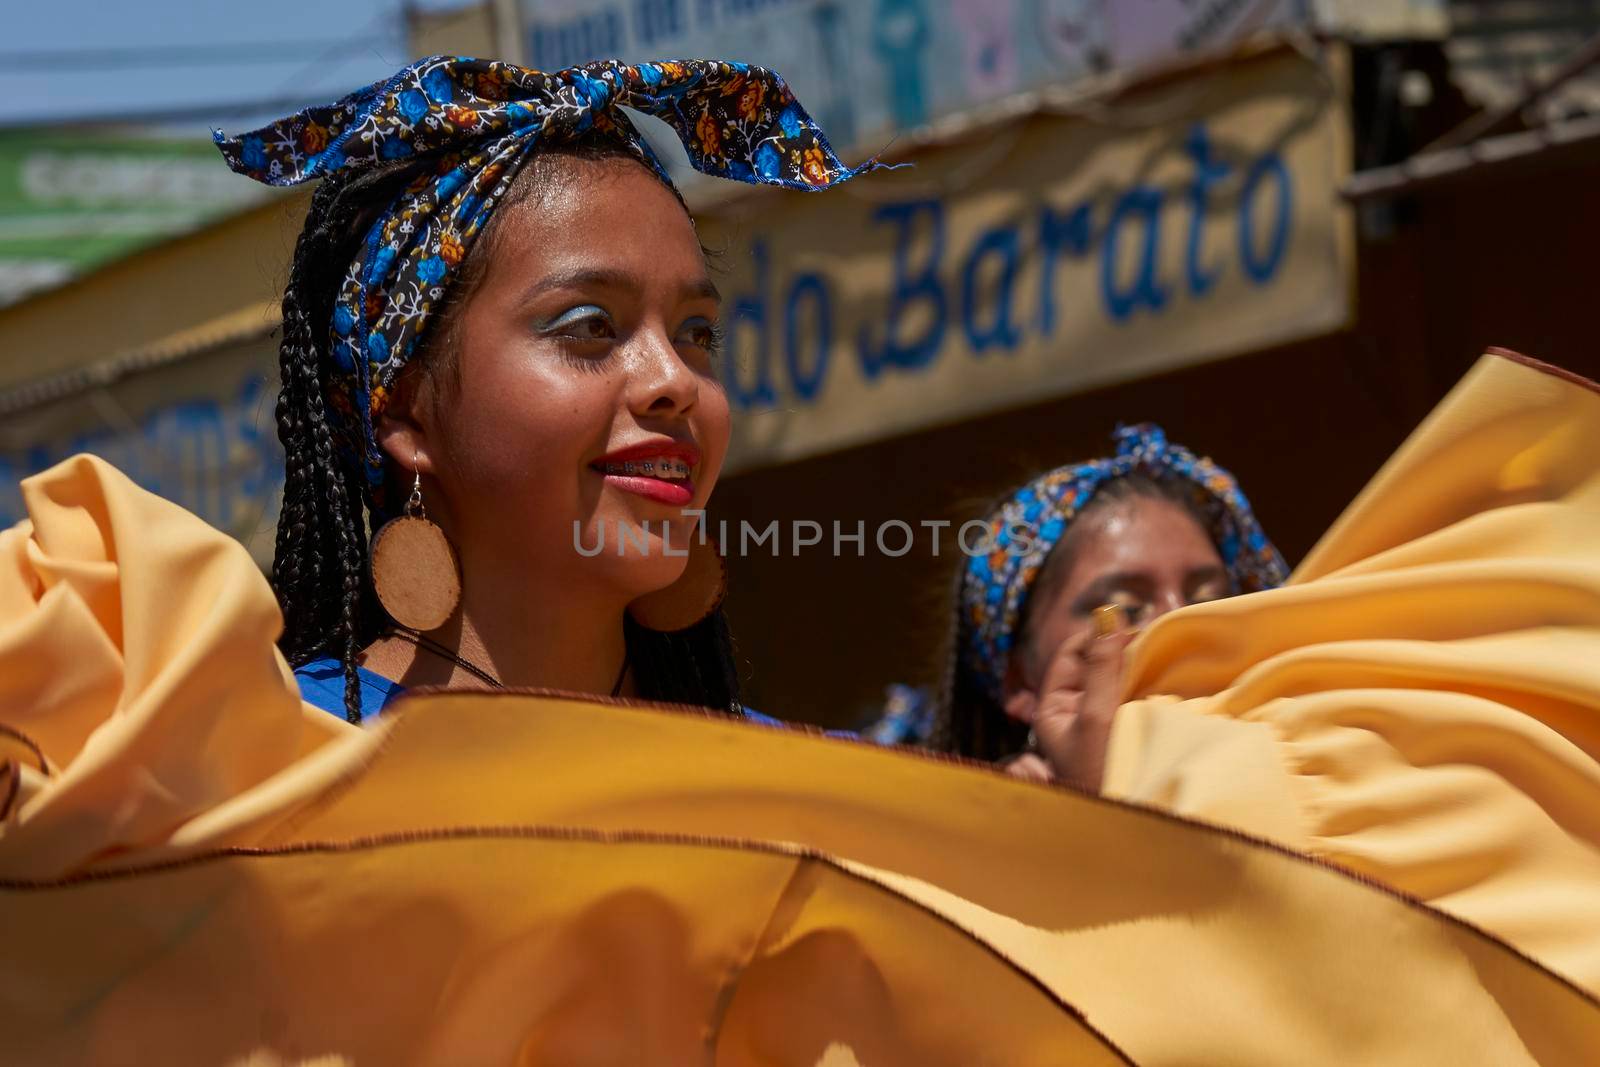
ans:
x=1352 y=821
x=1421 y=703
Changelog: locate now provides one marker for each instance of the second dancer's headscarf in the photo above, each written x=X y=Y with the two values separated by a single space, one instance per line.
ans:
x=995 y=586
x=485 y=118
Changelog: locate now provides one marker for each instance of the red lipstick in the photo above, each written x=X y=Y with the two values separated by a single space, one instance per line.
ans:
x=660 y=447
x=658 y=470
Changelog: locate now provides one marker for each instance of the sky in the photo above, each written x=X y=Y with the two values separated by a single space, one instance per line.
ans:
x=61 y=60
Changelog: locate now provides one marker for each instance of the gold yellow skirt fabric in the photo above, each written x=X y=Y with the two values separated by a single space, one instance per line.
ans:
x=1353 y=821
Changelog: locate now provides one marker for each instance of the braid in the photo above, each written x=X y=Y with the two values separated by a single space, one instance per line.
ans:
x=967 y=721
x=693 y=666
x=319 y=567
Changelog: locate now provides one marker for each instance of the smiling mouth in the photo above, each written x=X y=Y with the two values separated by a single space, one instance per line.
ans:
x=666 y=469
x=662 y=479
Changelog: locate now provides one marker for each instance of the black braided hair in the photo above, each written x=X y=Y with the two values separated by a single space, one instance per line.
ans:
x=320 y=567
x=693 y=666
x=970 y=722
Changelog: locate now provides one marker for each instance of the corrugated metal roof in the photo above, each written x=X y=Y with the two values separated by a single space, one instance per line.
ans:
x=1498 y=48
x=1491 y=153
x=243 y=324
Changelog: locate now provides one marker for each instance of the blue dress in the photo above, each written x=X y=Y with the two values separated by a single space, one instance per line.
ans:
x=322 y=685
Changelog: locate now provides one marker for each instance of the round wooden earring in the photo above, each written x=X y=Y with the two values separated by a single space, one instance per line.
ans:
x=414 y=569
x=694 y=596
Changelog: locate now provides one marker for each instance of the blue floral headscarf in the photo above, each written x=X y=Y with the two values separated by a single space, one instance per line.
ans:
x=736 y=121
x=995 y=586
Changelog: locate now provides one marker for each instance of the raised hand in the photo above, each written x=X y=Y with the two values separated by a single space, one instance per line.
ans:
x=1072 y=712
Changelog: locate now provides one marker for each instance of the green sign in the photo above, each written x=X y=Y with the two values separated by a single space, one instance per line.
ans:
x=72 y=200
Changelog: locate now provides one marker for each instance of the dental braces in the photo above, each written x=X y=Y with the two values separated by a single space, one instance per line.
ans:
x=660 y=468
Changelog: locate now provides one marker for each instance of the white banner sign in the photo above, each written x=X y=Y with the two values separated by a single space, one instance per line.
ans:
x=1038 y=260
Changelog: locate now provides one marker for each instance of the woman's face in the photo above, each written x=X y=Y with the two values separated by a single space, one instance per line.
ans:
x=1148 y=556
x=582 y=390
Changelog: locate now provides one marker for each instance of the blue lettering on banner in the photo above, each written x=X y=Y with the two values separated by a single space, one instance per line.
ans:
x=260 y=479
x=1206 y=174
x=208 y=455
x=928 y=291
x=13 y=469
x=1068 y=233
x=1142 y=202
x=910 y=289
x=750 y=313
x=1262 y=269
x=807 y=382
x=657 y=20
x=633 y=28
x=598 y=34
x=193 y=447
x=1005 y=245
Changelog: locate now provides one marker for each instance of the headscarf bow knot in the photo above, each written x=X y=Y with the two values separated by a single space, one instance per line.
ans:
x=485 y=117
